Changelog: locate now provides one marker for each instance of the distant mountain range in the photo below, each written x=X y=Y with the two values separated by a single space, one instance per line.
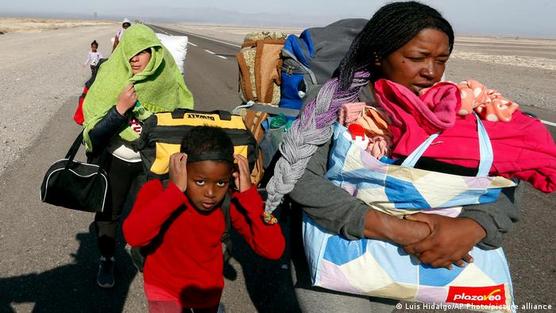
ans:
x=196 y=15
x=235 y=16
x=215 y=15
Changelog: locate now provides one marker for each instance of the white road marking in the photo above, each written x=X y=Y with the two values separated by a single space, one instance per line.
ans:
x=159 y=30
x=208 y=51
x=222 y=57
x=548 y=123
x=220 y=41
x=194 y=45
x=212 y=39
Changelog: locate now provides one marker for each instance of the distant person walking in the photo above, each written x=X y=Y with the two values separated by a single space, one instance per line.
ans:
x=93 y=57
x=118 y=37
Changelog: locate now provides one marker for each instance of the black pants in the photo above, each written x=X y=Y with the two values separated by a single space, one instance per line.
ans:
x=93 y=70
x=125 y=179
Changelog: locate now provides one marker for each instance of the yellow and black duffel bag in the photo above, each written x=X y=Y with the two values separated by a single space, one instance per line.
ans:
x=163 y=132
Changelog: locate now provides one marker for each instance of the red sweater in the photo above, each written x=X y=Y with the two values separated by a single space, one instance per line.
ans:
x=188 y=264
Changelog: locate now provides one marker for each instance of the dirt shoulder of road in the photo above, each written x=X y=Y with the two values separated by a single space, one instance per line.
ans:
x=15 y=24
x=41 y=70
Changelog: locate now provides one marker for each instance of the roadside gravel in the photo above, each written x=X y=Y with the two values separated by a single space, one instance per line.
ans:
x=40 y=71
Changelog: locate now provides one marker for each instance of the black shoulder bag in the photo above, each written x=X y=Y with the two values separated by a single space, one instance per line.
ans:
x=75 y=185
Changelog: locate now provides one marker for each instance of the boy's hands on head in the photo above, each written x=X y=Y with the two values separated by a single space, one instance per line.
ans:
x=178 y=170
x=243 y=177
x=127 y=99
x=450 y=240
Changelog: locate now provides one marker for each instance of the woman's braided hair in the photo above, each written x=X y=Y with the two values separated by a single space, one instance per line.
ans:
x=391 y=27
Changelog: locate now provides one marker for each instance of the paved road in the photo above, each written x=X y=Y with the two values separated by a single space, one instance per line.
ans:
x=48 y=259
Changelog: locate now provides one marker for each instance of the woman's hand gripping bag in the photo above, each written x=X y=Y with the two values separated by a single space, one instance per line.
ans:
x=382 y=269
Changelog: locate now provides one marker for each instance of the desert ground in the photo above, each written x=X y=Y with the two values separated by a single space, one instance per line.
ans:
x=41 y=67
x=14 y=24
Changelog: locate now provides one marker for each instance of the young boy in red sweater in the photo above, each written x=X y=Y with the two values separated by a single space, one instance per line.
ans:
x=185 y=270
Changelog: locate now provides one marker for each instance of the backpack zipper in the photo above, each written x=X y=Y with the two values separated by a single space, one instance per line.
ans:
x=311 y=74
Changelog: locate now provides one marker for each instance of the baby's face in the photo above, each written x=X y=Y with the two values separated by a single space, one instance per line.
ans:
x=207 y=183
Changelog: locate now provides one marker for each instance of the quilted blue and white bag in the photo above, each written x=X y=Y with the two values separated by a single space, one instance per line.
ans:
x=402 y=189
x=382 y=269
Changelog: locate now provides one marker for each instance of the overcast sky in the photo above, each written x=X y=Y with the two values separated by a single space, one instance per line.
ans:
x=487 y=17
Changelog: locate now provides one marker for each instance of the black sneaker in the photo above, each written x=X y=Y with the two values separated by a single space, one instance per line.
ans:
x=105 y=276
x=221 y=308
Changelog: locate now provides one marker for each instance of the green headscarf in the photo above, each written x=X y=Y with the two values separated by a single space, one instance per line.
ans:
x=159 y=87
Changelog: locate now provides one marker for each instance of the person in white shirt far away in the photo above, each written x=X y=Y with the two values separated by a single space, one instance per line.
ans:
x=93 y=57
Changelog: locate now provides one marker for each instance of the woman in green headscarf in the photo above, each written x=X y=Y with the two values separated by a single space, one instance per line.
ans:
x=139 y=79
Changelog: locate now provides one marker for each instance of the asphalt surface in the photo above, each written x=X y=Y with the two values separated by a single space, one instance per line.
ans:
x=48 y=254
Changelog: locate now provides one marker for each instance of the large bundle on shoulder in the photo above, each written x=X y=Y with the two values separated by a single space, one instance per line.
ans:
x=278 y=72
x=177 y=46
x=259 y=64
x=259 y=67
x=311 y=58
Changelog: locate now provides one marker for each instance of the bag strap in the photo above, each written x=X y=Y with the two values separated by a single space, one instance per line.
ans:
x=226 y=236
x=412 y=159
x=291 y=55
x=74 y=147
x=485 y=150
x=223 y=115
x=265 y=108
